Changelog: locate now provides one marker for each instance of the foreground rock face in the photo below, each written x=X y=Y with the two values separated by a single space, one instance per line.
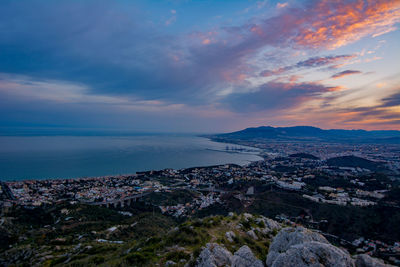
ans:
x=313 y=254
x=291 y=247
x=215 y=255
x=302 y=247
x=365 y=260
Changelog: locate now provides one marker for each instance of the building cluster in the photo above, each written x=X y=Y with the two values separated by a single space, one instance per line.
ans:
x=301 y=172
x=190 y=208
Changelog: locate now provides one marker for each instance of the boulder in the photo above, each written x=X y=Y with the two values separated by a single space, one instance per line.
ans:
x=301 y=247
x=313 y=254
x=214 y=255
x=364 y=260
x=252 y=234
x=244 y=257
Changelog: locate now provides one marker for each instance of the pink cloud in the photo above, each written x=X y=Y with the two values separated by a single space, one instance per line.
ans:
x=282 y=5
x=345 y=73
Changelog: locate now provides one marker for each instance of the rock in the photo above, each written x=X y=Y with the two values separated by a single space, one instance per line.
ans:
x=252 y=234
x=230 y=236
x=214 y=255
x=365 y=260
x=313 y=254
x=302 y=247
x=288 y=237
x=169 y=263
x=271 y=224
x=244 y=257
x=247 y=216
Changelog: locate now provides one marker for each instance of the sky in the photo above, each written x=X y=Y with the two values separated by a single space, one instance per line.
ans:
x=199 y=66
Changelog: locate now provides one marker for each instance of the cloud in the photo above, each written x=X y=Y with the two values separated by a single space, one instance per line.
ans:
x=324 y=24
x=275 y=96
x=392 y=100
x=61 y=92
x=345 y=73
x=313 y=62
x=323 y=61
x=282 y=5
x=333 y=24
x=108 y=52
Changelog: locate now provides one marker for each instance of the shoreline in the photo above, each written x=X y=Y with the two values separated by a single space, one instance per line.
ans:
x=249 y=151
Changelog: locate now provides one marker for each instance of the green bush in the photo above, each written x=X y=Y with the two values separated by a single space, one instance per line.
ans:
x=177 y=255
x=97 y=260
x=138 y=258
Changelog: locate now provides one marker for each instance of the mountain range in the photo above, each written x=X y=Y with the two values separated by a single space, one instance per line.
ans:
x=309 y=133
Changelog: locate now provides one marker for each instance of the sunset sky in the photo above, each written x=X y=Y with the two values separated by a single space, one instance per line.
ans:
x=199 y=66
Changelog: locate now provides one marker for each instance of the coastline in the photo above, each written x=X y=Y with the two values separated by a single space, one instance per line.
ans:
x=244 y=150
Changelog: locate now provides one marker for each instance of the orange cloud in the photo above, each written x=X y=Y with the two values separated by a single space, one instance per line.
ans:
x=336 y=23
x=282 y=5
x=345 y=73
x=206 y=41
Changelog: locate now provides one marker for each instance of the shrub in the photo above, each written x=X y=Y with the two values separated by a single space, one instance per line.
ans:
x=177 y=255
x=97 y=260
x=138 y=258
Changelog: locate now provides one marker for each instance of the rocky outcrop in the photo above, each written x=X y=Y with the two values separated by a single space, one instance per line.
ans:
x=214 y=255
x=302 y=247
x=244 y=257
x=271 y=224
x=364 y=260
x=313 y=254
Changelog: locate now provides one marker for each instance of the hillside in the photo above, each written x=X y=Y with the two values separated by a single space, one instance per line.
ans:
x=308 y=133
x=235 y=240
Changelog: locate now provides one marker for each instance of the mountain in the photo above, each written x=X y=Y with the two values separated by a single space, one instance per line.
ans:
x=309 y=133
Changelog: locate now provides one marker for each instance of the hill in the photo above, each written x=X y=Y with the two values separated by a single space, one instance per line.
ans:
x=353 y=161
x=244 y=240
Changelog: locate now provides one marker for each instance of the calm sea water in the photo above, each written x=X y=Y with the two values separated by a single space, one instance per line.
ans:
x=42 y=157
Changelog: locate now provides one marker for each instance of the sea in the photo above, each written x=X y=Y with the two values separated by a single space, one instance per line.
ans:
x=58 y=157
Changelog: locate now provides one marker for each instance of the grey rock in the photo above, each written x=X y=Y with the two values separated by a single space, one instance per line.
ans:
x=252 y=234
x=271 y=224
x=170 y=263
x=244 y=257
x=230 y=236
x=214 y=255
x=364 y=260
x=288 y=237
x=313 y=254
x=247 y=216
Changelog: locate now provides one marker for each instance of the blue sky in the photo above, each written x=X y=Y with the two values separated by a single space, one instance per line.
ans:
x=199 y=66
